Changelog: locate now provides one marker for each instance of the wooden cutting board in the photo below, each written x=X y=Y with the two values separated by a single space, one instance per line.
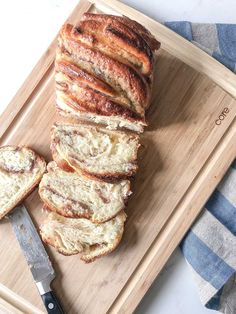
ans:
x=189 y=144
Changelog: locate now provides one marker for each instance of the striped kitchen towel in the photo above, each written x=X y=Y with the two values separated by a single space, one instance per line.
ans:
x=210 y=245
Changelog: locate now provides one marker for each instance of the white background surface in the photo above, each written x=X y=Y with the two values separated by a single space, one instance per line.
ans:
x=26 y=29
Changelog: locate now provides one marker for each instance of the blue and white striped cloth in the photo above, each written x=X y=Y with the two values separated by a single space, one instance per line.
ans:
x=210 y=246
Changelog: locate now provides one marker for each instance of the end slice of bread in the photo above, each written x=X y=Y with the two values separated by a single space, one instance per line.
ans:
x=72 y=195
x=21 y=169
x=95 y=151
x=70 y=236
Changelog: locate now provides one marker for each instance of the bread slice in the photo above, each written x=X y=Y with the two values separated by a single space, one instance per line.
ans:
x=21 y=169
x=71 y=236
x=72 y=195
x=95 y=151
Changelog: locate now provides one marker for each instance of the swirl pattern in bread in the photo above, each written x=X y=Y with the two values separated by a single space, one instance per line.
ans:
x=95 y=151
x=72 y=195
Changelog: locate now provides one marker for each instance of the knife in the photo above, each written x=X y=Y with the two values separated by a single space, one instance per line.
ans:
x=36 y=257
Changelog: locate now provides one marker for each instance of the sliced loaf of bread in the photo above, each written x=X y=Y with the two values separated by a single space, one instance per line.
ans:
x=72 y=236
x=20 y=171
x=95 y=151
x=72 y=195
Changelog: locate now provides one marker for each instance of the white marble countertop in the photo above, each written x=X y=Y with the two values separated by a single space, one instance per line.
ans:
x=26 y=29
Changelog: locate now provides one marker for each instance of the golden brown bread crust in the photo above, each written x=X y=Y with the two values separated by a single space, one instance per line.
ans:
x=83 y=92
x=118 y=41
x=104 y=68
x=122 y=77
x=92 y=95
x=89 y=100
x=82 y=77
x=135 y=26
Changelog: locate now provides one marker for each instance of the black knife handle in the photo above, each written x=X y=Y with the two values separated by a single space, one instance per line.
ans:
x=51 y=303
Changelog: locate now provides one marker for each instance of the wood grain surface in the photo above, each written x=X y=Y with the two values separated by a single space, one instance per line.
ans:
x=184 y=154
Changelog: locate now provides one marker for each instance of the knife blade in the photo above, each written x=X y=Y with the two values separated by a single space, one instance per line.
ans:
x=36 y=256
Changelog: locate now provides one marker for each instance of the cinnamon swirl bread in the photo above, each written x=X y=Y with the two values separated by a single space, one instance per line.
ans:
x=72 y=195
x=20 y=171
x=104 y=67
x=95 y=151
x=71 y=236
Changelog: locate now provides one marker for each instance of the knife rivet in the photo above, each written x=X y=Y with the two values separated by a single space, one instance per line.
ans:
x=50 y=306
